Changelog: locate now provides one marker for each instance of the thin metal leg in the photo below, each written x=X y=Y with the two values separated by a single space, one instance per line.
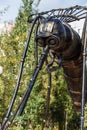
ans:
x=83 y=93
x=84 y=74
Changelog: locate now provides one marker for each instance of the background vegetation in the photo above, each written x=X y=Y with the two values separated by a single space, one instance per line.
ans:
x=61 y=115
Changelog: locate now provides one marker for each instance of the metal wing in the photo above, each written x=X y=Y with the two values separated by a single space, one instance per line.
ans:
x=66 y=14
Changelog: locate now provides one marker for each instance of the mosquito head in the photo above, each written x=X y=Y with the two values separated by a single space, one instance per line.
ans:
x=50 y=32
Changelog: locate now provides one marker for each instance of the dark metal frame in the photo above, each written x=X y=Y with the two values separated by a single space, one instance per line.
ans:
x=66 y=15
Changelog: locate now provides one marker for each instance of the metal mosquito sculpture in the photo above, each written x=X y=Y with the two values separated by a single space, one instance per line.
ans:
x=63 y=44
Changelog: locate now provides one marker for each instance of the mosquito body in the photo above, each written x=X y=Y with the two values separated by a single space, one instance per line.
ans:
x=65 y=44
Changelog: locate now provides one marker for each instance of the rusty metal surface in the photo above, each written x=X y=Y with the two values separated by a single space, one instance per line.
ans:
x=73 y=76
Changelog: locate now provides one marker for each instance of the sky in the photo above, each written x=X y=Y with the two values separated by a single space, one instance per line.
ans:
x=50 y=4
x=14 y=5
x=12 y=9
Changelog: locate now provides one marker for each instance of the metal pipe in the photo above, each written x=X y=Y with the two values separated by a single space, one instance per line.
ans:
x=32 y=81
x=84 y=74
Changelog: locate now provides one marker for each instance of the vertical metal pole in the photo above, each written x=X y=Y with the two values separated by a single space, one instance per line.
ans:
x=84 y=74
x=83 y=92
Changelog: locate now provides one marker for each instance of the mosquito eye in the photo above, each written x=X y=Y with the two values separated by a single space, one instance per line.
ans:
x=40 y=42
x=52 y=42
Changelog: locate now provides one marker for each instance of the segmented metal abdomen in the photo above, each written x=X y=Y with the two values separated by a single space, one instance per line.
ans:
x=73 y=76
x=72 y=65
